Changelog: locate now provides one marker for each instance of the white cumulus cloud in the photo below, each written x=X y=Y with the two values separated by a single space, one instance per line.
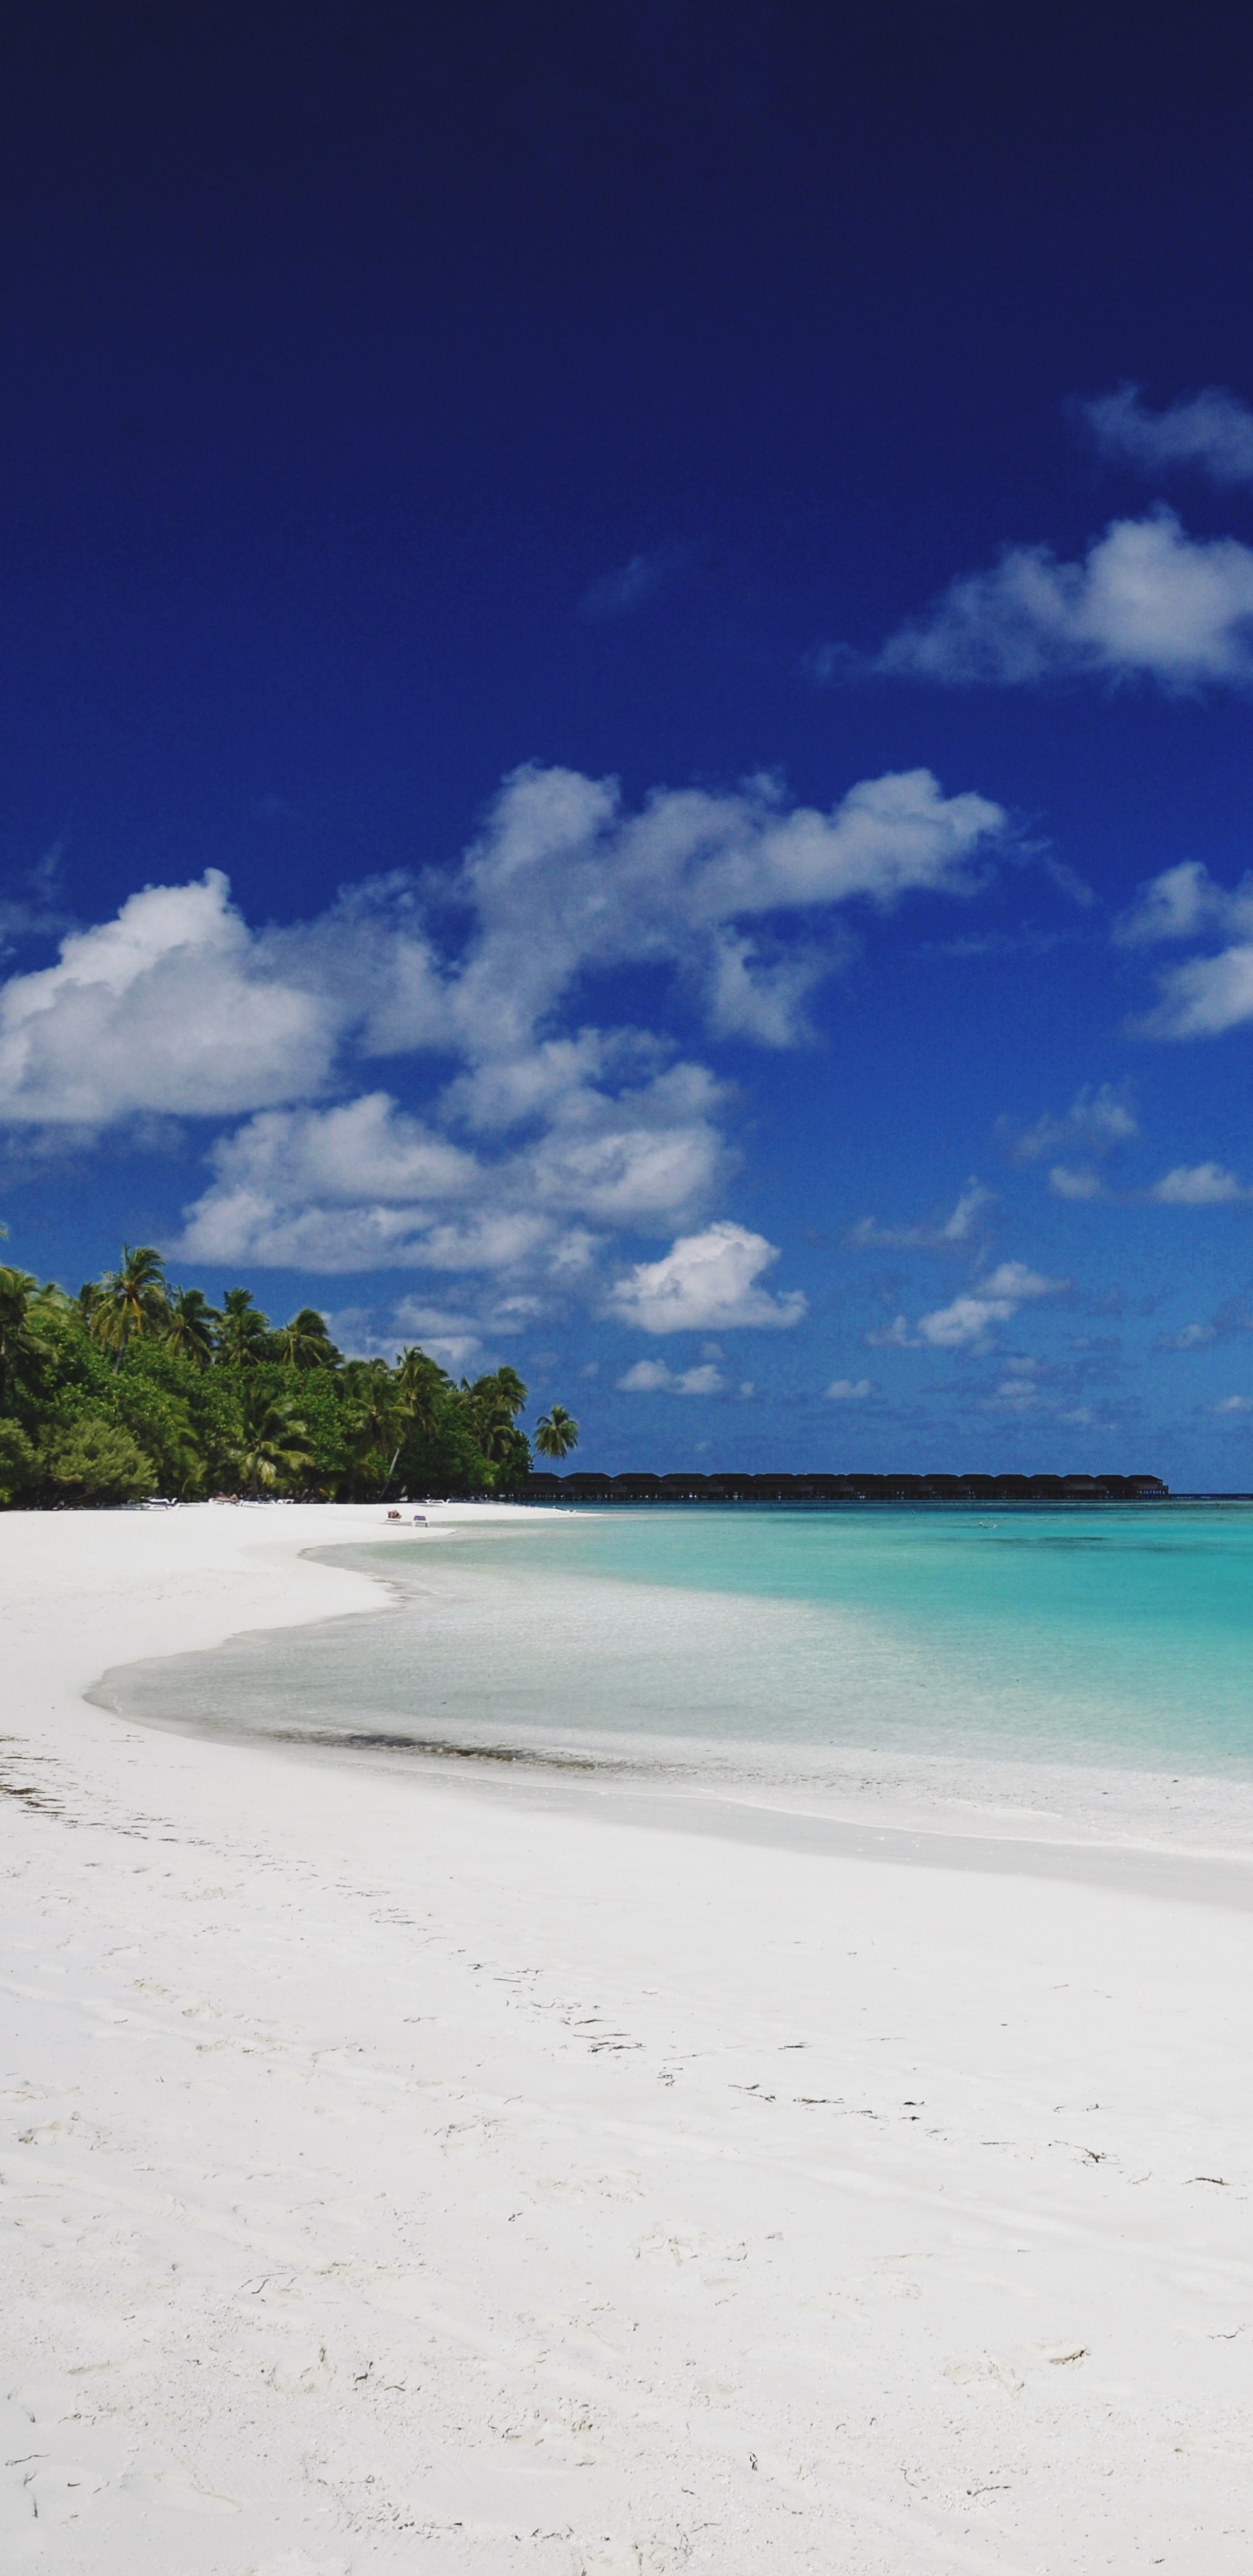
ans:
x=848 y=1390
x=706 y=1282
x=545 y=1142
x=363 y=1185
x=564 y=881
x=171 y=1008
x=177 y=1006
x=1147 y=602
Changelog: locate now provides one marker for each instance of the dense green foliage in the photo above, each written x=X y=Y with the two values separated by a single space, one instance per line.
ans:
x=135 y=1388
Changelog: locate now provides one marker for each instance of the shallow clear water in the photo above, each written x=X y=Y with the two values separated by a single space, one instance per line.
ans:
x=776 y=1638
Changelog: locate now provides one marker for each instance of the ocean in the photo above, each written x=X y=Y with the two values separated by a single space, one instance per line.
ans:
x=767 y=1644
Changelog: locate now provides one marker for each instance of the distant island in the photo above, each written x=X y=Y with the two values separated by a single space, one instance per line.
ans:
x=582 y=1487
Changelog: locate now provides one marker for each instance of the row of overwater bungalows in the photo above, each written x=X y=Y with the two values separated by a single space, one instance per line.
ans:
x=582 y=1487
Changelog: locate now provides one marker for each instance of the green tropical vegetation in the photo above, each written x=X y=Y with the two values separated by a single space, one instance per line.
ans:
x=136 y=1388
x=556 y=1433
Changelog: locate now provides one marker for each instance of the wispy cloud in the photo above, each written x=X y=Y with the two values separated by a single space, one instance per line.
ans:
x=652 y=1377
x=1195 y=1185
x=454 y=1340
x=895 y=1336
x=33 y=906
x=1147 y=602
x=645 y=577
x=1202 y=999
x=1231 y=1319
x=1077 y=1181
x=932 y=1235
x=1209 y=993
x=1017 y=1392
x=1211 y=431
x=849 y=1390
x=451 y=1338
x=965 y=1323
x=1189 y=1185
x=1185 y=903
x=1097 y=1121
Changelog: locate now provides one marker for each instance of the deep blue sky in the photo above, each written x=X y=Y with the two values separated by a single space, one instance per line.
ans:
x=394 y=398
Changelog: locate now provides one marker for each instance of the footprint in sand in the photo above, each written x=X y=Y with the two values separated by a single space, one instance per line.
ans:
x=983 y=2371
x=303 y=2374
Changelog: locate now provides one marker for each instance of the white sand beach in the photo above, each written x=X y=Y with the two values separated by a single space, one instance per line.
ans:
x=416 y=2174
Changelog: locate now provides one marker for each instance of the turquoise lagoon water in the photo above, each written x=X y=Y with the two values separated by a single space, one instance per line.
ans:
x=778 y=1640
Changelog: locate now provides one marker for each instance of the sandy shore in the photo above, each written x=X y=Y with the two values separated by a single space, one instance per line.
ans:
x=403 y=2174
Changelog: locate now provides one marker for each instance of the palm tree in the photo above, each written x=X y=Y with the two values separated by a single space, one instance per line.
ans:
x=244 y=1332
x=372 y=1416
x=420 y=1382
x=305 y=1342
x=492 y=1403
x=22 y=1301
x=417 y=1383
x=512 y=1390
x=556 y=1433
x=132 y=1300
x=275 y=1448
x=192 y=1328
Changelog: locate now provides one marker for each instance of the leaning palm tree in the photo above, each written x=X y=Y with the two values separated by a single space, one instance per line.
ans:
x=133 y=1300
x=417 y=1384
x=275 y=1450
x=556 y=1433
x=374 y=1421
x=305 y=1343
x=193 y=1324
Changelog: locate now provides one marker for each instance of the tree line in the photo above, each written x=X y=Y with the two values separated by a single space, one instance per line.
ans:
x=136 y=1387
